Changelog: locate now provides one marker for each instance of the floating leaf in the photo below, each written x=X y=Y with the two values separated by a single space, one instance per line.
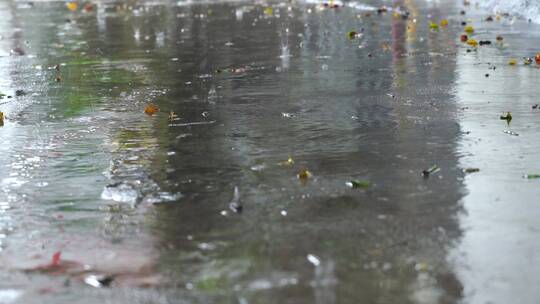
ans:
x=512 y=62
x=269 y=11
x=151 y=109
x=72 y=6
x=469 y=29
x=304 y=174
x=531 y=176
x=472 y=42
x=364 y=184
x=430 y=170
x=289 y=162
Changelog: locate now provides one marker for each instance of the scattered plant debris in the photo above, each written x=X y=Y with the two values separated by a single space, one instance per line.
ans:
x=433 y=169
x=151 y=109
x=287 y=163
x=506 y=116
x=363 y=184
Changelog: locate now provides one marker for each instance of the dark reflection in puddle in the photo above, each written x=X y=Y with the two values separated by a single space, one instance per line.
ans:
x=249 y=90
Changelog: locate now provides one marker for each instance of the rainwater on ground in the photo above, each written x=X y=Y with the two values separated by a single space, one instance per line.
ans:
x=238 y=189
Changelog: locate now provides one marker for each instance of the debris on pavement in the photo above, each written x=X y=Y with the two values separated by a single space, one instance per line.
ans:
x=151 y=109
x=433 y=169
x=363 y=184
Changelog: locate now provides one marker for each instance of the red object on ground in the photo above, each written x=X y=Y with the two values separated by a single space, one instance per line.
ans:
x=537 y=58
x=56 y=258
x=464 y=38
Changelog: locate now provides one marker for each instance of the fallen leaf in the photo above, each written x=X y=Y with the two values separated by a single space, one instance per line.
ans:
x=304 y=174
x=472 y=42
x=469 y=29
x=364 y=184
x=444 y=22
x=56 y=258
x=72 y=6
x=512 y=62
x=433 y=26
x=464 y=38
x=268 y=11
x=537 y=58
x=151 y=109
x=289 y=162
x=1 y=119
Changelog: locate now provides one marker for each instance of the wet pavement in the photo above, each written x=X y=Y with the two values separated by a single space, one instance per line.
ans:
x=143 y=208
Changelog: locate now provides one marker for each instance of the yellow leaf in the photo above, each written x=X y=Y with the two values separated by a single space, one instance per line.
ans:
x=72 y=6
x=151 y=109
x=469 y=29
x=444 y=22
x=472 y=42
x=433 y=26
x=512 y=62
x=269 y=11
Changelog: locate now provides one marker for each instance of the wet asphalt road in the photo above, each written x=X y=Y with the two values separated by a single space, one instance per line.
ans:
x=141 y=204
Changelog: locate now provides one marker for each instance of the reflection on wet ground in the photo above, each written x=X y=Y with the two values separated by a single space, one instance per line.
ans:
x=198 y=203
